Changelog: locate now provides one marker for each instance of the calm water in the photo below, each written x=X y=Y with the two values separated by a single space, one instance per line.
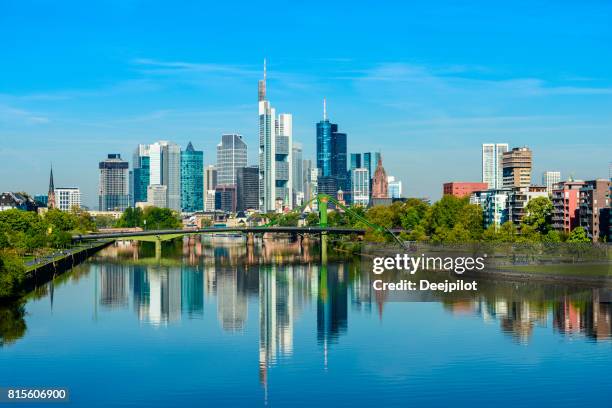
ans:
x=206 y=326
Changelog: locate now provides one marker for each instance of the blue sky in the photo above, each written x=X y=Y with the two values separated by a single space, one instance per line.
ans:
x=426 y=84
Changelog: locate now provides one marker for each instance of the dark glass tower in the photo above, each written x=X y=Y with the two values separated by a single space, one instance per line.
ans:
x=331 y=152
x=192 y=179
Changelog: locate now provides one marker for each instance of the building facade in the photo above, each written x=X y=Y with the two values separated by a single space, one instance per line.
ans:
x=231 y=155
x=225 y=198
x=192 y=179
x=380 y=185
x=157 y=195
x=141 y=175
x=492 y=169
x=395 y=187
x=566 y=205
x=113 y=192
x=332 y=152
x=360 y=182
x=247 y=188
x=517 y=167
x=463 y=188
x=595 y=208
x=275 y=149
x=165 y=169
x=297 y=164
x=67 y=198
x=518 y=199
x=549 y=179
x=210 y=183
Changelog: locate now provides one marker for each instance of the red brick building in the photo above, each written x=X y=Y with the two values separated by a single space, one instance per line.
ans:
x=462 y=188
x=566 y=205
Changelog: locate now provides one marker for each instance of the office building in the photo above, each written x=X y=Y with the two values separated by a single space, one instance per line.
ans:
x=113 y=192
x=140 y=174
x=355 y=161
x=210 y=183
x=492 y=169
x=516 y=165
x=157 y=195
x=462 y=188
x=595 y=208
x=549 y=179
x=192 y=179
x=395 y=187
x=566 y=205
x=331 y=151
x=67 y=198
x=247 y=189
x=225 y=198
x=231 y=155
x=495 y=207
x=360 y=182
x=297 y=164
x=275 y=149
x=165 y=169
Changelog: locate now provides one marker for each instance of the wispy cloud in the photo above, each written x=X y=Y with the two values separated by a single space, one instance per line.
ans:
x=12 y=115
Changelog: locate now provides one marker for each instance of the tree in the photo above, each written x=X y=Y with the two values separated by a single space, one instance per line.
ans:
x=578 y=235
x=12 y=272
x=539 y=213
x=131 y=217
x=61 y=220
x=413 y=212
x=161 y=218
x=312 y=219
x=552 y=236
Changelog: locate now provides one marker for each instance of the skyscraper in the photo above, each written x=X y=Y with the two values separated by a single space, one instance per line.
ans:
x=113 y=193
x=231 y=155
x=549 y=179
x=275 y=149
x=210 y=183
x=165 y=169
x=140 y=174
x=516 y=165
x=331 y=151
x=395 y=187
x=192 y=179
x=355 y=161
x=297 y=165
x=247 y=194
x=492 y=169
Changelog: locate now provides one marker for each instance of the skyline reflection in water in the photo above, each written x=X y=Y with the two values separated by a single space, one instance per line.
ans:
x=293 y=314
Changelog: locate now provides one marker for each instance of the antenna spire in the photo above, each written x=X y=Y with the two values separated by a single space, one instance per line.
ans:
x=324 y=109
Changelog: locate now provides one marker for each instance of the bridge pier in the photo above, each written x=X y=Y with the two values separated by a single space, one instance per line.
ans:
x=158 y=248
x=324 y=248
x=250 y=239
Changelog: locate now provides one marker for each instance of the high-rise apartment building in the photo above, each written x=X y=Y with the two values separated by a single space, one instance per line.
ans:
x=140 y=174
x=549 y=179
x=231 y=155
x=275 y=149
x=331 y=152
x=67 y=198
x=360 y=182
x=517 y=167
x=113 y=192
x=595 y=208
x=247 y=194
x=566 y=205
x=519 y=197
x=192 y=179
x=165 y=169
x=492 y=169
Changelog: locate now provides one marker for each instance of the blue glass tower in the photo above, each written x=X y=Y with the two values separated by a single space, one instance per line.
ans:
x=331 y=152
x=192 y=179
x=141 y=175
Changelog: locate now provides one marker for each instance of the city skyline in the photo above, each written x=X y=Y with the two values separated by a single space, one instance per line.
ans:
x=405 y=98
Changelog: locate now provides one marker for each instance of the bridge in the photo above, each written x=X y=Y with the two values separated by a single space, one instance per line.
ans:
x=322 y=230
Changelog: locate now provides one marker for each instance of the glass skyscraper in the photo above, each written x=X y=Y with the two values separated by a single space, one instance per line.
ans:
x=231 y=155
x=165 y=169
x=331 y=152
x=192 y=179
x=140 y=174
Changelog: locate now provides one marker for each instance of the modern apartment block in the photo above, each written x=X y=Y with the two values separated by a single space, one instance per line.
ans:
x=595 y=208
x=549 y=179
x=516 y=165
x=113 y=192
x=518 y=199
x=492 y=164
x=566 y=205
x=495 y=207
x=463 y=188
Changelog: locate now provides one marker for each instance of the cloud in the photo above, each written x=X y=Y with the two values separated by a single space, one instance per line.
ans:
x=12 y=115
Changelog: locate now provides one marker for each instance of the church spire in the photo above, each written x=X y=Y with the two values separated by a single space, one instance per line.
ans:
x=51 y=192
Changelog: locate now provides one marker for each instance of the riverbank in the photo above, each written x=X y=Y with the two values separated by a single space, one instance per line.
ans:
x=41 y=270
